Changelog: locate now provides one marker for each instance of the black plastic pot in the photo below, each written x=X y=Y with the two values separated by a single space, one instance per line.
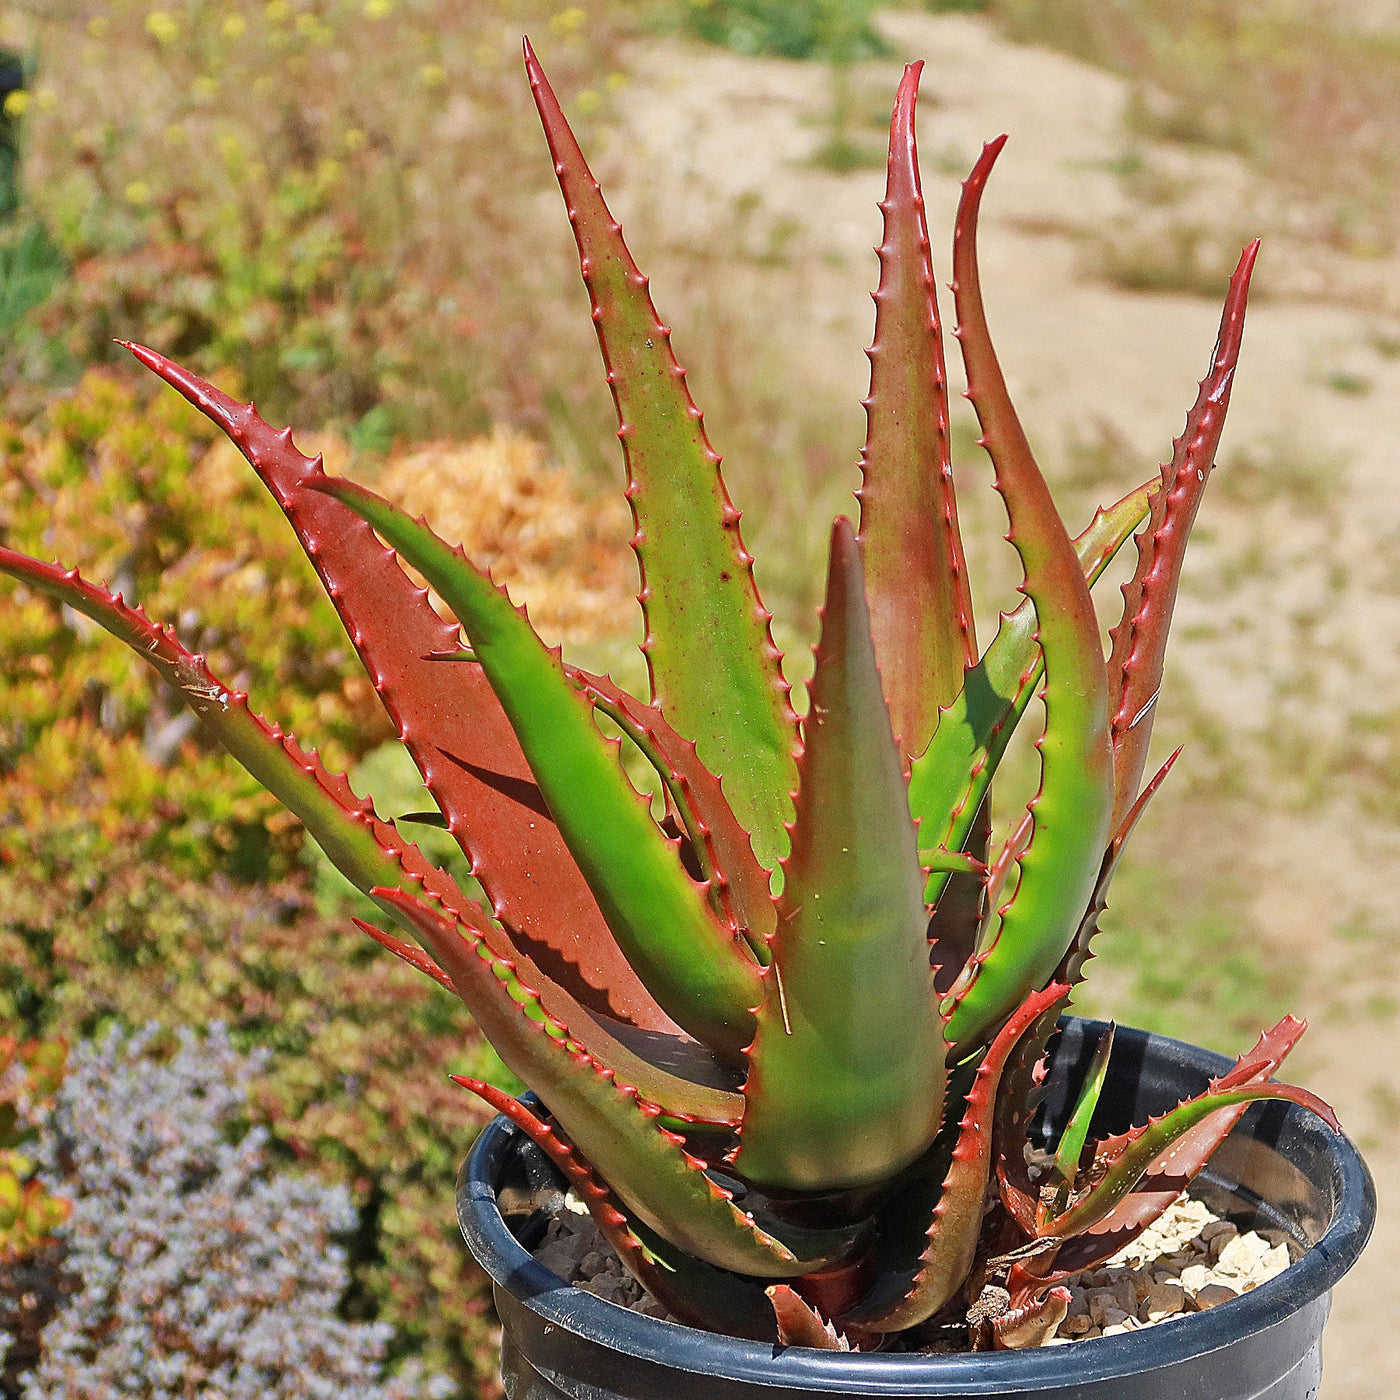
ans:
x=1280 y=1168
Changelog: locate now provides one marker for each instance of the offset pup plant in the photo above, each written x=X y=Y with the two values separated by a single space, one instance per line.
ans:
x=791 y=1031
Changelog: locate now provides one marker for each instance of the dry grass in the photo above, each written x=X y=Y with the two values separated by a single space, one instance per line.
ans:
x=560 y=553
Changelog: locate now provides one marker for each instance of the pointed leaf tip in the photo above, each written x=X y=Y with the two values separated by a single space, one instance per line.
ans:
x=698 y=594
x=1136 y=663
x=916 y=573
x=1067 y=823
x=846 y=1067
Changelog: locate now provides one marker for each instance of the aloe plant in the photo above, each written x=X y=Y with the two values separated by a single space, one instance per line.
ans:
x=790 y=1034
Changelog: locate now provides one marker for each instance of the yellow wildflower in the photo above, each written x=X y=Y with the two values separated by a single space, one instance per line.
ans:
x=569 y=21
x=138 y=192
x=377 y=9
x=432 y=75
x=234 y=26
x=355 y=140
x=588 y=102
x=16 y=102
x=278 y=10
x=98 y=26
x=161 y=26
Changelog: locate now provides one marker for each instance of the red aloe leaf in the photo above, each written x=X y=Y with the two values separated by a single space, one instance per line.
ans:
x=714 y=669
x=800 y=1325
x=446 y=714
x=607 y=1119
x=1189 y=1153
x=697 y=1294
x=690 y=961
x=1072 y=809
x=416 y=958
x=916 y=574
x=591 y=1189
x=846 y=1068
x=1140 y=639
x=1031 y=1324
x=1022 y=1090
x=956 y=1226
x=1153 y=1142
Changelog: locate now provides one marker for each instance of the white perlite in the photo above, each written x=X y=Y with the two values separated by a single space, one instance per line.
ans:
x=1188 y=1261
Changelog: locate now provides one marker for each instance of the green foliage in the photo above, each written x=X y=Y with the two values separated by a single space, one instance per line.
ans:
x=31 y=266
x=136 y=492
x=320 y=197
x=30 y=1076
x=837 y=31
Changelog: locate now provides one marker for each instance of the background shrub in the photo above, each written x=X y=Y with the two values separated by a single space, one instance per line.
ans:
x=202 y=1271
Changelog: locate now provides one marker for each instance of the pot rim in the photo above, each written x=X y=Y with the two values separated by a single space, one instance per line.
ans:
x=575 y=1310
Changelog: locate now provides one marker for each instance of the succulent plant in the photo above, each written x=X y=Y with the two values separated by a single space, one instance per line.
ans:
x=789 y=1020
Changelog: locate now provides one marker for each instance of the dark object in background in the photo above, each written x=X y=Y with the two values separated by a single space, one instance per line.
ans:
x=11 y=80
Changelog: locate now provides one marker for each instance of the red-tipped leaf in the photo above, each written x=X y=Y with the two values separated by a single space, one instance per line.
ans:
x=1140 y=639
x=915 y=570
x=715 y=672
x=445 y=713
x=1072 y=809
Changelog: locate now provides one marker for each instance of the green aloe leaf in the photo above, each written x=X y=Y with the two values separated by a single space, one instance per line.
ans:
x=692 y=964
x=915 y=570
x=1072 y=810
x=715 y=672
x=367 y=851
x=956 y=1226
x=846 y=1070
x=1076 y=1133
x=800 y=1324
x=696 y=1293
x=949 y=781
x=1150 y=1142
x=616 y=1131
x=1017 y=1107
